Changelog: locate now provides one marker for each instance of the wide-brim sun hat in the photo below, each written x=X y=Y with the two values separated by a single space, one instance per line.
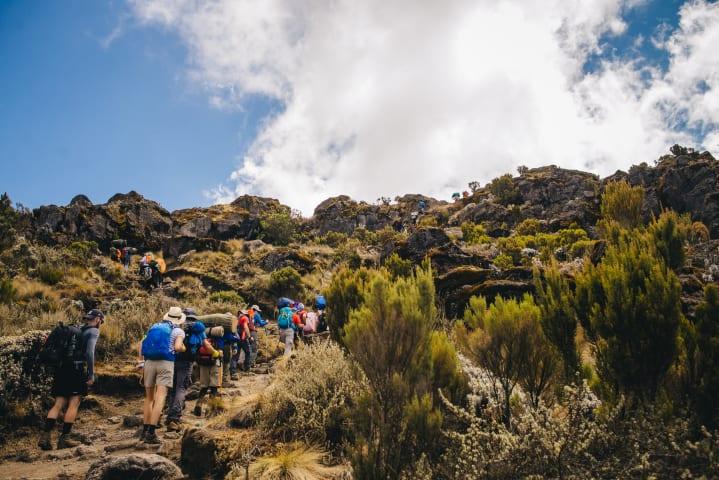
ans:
x=175 y=316
x=256 y=308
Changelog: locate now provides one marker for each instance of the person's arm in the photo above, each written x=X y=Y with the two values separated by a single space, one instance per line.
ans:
x=92 y=336
x=180 y=342
x=247 y=331
x=208 y=345
x=140 y=357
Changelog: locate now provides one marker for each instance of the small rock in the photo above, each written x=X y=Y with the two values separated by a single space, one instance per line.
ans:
x=90 y=403
x=61 y=454
x=120 y=446
x=116 y=420
x=85 y=452
x=134 y=465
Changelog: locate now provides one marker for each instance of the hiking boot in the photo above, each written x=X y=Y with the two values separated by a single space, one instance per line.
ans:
x=152 y=439
x=45 y=442
x=66 y=442
x=197 y=411
x=140 y=433
x=234 y=376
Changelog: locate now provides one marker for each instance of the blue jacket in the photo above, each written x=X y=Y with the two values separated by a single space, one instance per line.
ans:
x=259 y=322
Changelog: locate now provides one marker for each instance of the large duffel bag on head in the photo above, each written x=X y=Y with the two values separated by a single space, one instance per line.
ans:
x=283 y=302
x=119 y=243
x=224 y=320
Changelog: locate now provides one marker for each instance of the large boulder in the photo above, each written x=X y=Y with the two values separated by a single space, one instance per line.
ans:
x=687 y=182
x=205 y=454
x=136 y=466
x=24 y=383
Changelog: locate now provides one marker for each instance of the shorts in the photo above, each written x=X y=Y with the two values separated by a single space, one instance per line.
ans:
x=159 y=373
x=210 y=376
x=69 y=382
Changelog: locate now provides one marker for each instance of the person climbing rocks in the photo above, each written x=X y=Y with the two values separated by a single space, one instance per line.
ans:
x=150 y=271
x=158 y=349
x=195 y=338
x=72 y=351
x=243 y=330
x=126 y=257
x=230 y=354
x=255 y=315
x=209 y=361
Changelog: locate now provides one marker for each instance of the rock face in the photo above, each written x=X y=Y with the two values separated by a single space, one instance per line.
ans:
x=687 y=182
x=130 y=216
x=23 y=381
x=134 y=466
x=146 y=225
x=556 y=195
x=202 y=454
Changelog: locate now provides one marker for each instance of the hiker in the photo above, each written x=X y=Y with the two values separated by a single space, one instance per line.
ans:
x=243 y=331
x=311 y=322
x=230 y=353
x=256 y=321
x=421 y=206
x=72 y=350
x=321 y=306
x=288 y=322
x=209 y=361
x=163 y=340
x=150 y=270
x=126 y=257
x=182 y=377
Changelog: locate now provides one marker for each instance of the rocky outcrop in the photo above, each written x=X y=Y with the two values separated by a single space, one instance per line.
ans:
x=558 y=196
x=24 y=383
x=685 y=181
x=130 y=216
x=135 y=466
x=286 y=257
x=208 y=455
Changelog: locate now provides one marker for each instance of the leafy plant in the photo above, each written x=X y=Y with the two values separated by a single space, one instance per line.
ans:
x=622 y=203
x=228 y=297
x=286 y=282
x=474 y=233
x=278 y=228
x=49 y=274
x=505 y=190
x=8 y=293
x=397 y=266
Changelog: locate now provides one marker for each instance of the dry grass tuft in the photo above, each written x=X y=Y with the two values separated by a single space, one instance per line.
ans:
x=216 y=406
x=297 y=462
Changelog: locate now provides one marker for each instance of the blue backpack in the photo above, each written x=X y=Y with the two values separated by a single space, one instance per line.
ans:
x=156 y=345
x=320 y=302
x=284 y=319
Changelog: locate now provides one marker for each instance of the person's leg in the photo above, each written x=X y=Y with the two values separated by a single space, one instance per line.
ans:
x=183 y=372
x=147 y=405
x=204 y=385
x=45 y=441
x=245 y=346
x=289 y=335
x=68 y=421
x=157 y=404
x=254 y=347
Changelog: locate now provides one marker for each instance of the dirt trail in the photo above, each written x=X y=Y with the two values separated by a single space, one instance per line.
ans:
x=103 y=426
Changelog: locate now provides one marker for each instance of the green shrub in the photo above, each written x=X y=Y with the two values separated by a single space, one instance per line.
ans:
x=707 y=360
x=333 y=239
x=581 y=248
x=8 y=222
x=630 y=308
x=622 y=203
x=228 y=297
x=286 y=282
x=506 y=338
x=397 y=266
x=8 y=294
x=558 y=317
x=366 y=237
x=474 y=233
x=504 y=189
x=83 y=249
x=669 y=233
x=390 y=338
x=529 y=226
x=278 y=228
x=49 y=274
x=503 y=261
x=346 y=293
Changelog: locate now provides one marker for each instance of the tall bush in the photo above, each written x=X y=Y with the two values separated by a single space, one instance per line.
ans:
x=278 y=228
x=390 y=337
x=286 y=282
x=707 y=342
x=506 y=338
x=669 y=233
x=558 y=318
x=8 y=220
x=630 y=308
x=622 y=203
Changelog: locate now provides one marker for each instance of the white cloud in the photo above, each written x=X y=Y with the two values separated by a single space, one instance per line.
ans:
x=384 y=98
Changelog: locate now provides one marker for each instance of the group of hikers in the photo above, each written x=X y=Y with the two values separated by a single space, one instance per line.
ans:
x=150 y=268
x=219 y=345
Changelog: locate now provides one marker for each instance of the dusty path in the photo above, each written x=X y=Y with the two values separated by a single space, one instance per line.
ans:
x=105 y=427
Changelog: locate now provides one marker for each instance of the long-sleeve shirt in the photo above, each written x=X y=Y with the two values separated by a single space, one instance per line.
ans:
x=89 y=340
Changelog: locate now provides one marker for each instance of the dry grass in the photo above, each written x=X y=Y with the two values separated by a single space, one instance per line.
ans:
x=216 y=406
x=28 y=289
x=294 y=462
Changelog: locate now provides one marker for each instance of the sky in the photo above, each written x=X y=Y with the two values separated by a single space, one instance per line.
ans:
x=193 y=103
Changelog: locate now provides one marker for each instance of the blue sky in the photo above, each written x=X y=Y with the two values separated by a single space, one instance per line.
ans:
x=80 y=118
x=96 y=96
